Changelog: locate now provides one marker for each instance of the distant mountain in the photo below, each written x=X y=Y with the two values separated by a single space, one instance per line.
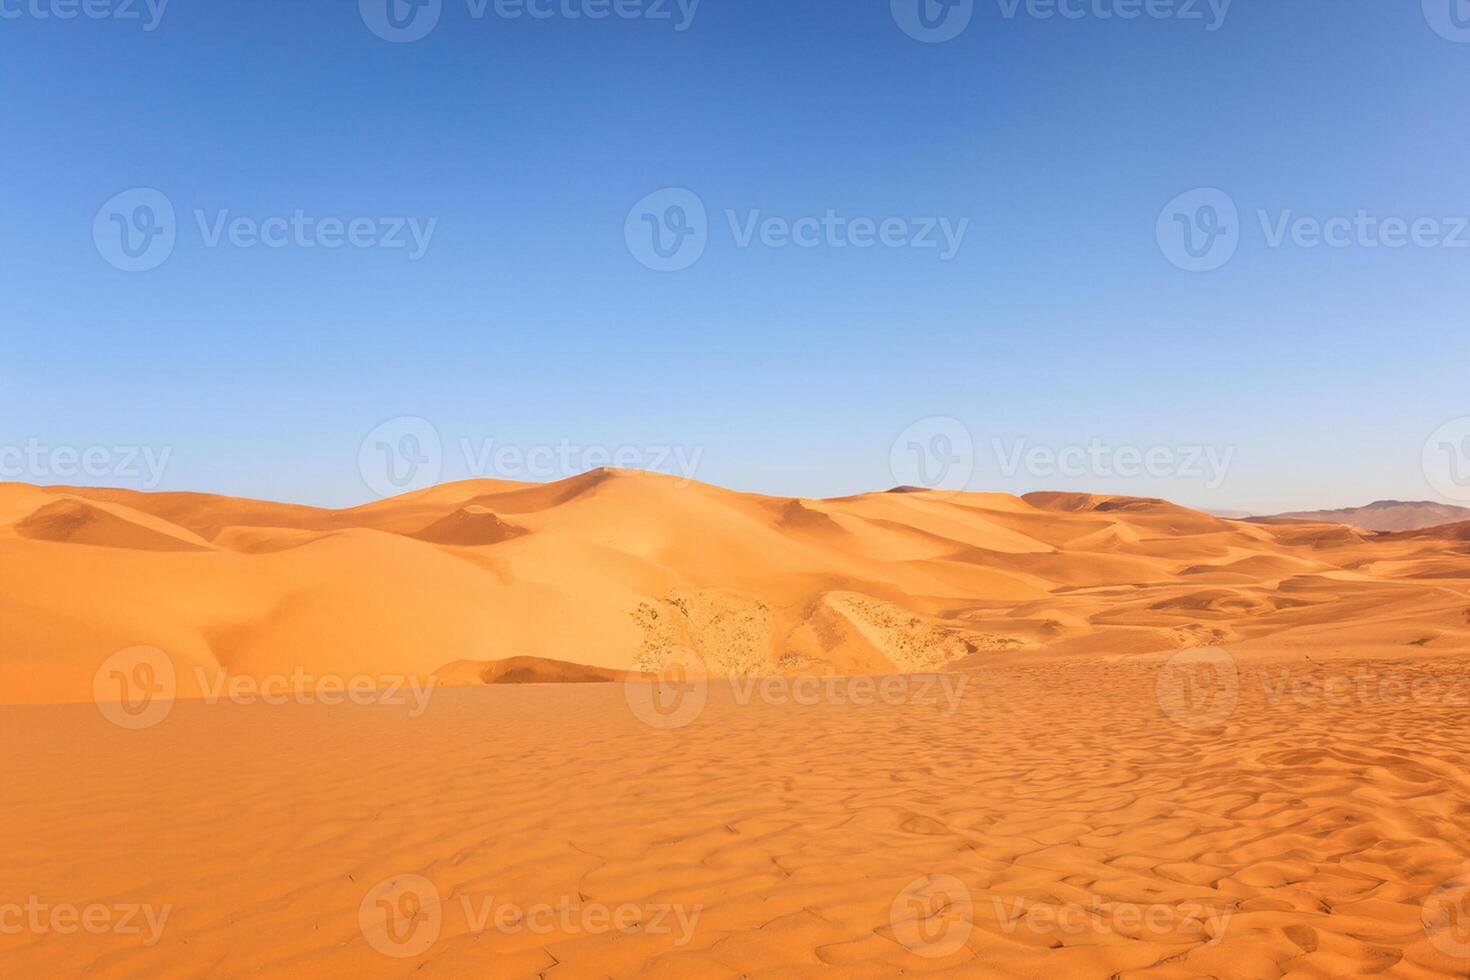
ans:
x=1382 y=515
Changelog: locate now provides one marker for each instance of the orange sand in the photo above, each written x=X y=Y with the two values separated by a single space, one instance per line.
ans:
x=624 y=571
x=1300 y=838
x=1157 y=743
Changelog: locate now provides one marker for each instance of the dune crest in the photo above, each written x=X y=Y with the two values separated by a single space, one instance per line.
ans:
x=470 y=527
x=75 y=522
x=619 y=571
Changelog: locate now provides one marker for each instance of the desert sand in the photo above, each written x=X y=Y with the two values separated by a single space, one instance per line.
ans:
x=622 y=570
x=1094 y=835
x=623 y=726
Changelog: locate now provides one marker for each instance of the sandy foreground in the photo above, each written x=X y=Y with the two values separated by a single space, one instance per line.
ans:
x=1236 y=817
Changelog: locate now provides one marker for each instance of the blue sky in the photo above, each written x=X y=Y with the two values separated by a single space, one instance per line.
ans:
x=529 y=321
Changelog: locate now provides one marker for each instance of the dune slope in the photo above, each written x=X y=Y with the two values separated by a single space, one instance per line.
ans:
x=619 y=570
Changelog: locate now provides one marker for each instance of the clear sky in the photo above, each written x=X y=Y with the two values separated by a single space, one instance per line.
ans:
x=1055 y=315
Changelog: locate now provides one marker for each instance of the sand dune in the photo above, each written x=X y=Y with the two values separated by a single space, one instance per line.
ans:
x=622 y=726
x=621 y=571
x=469 y=527
x=78 y=522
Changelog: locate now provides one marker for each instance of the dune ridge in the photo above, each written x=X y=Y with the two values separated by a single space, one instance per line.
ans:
x=623 y=570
